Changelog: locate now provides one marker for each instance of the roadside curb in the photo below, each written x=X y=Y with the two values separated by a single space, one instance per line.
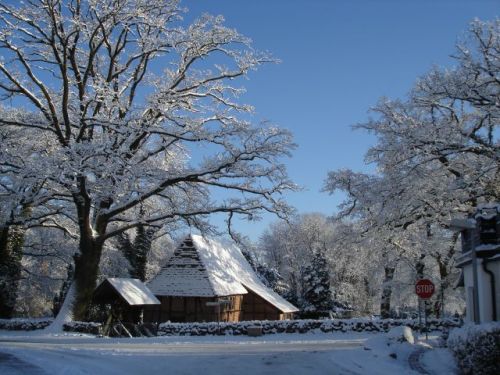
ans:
x=414 y=361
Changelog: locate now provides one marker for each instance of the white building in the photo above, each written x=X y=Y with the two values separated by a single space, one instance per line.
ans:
x=480 y=263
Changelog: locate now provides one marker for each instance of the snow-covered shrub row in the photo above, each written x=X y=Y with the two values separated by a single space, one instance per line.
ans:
x=24 y=324
x=83 y=327
x=477 y=348
x=299 y=326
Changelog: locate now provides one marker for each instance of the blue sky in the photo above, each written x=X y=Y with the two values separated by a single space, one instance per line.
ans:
x=338 y=59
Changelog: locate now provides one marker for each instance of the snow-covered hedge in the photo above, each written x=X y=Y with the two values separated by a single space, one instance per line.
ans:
x=40 y=323
x=300 y=326
x=83 y=327
x=24 y=324
x=477 y=348
x=240 y=328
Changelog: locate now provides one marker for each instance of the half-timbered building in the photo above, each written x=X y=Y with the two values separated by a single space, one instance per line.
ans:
x=207 y=280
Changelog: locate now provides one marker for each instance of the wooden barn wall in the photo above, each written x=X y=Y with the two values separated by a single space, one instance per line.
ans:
x=257 y=308
x=194 y=309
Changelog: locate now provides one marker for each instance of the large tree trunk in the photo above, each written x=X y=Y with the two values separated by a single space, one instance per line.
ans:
x=443 y=263
x=91 y=245
x=385 y=303
x=86 y=272
x=368 y=300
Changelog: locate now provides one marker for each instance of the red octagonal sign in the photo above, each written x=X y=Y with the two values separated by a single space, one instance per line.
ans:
x=424 y=288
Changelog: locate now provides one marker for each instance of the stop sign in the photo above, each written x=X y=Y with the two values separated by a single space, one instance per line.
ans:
x=424 y=288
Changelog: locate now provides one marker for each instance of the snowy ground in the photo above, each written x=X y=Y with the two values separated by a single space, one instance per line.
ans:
x=337 y=353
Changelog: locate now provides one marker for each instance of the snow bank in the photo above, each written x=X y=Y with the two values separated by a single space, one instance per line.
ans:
x=440 y=360
x=65 y=315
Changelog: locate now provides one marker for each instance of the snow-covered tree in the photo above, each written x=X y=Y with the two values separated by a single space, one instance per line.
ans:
x=136 y=251
x=318 y=296
x=133 y=108
x=293 y=249
x=289 y=247
x=437 y=155
x=267 y=273
x=353 y=268
x=11 y=252
x=47 y=263
x=355 y=273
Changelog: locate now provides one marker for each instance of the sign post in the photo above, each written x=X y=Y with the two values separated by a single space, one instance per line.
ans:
x=424 y=289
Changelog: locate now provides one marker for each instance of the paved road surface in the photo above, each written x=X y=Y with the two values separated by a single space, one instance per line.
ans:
x=182 y=347
x=77 y=356
x=12 y=365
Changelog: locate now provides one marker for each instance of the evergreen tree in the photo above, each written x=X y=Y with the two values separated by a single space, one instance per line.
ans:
x=271 y=278
x=136 y=252
x=249 y=258
x=11 y=253
x=317 y=294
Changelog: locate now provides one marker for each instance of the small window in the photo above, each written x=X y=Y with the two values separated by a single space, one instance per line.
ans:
x=489 y=234
x=466 y=241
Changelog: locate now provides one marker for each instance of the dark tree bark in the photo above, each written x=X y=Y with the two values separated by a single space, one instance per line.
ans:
x=443 y=262
x=90 y=249
x=385 y=303
x=368 y=294
x=86 y=272
x=420 y=267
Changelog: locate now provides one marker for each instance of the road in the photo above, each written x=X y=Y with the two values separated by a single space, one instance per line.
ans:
x=46 y=355
x=10 y=364
x=178 y=347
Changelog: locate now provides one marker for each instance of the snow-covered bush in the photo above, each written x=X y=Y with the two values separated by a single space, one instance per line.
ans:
x=477 y=348
x=24 y=324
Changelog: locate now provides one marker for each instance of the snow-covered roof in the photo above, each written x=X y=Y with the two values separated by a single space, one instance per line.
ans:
x=488 y=246
x=496 y=257
x=487 y=211
x=203 y=267
x=186 y=275
x=133 y=291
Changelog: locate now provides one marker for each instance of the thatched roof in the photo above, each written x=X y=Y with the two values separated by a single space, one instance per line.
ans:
x=202 y=267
